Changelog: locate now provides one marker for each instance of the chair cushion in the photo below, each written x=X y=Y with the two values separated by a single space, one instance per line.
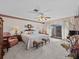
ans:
x=13 y=41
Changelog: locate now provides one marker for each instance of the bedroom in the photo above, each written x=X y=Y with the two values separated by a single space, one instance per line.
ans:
x=44 y=27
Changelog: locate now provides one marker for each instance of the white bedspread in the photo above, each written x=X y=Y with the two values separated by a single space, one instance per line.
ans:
x=29 y=38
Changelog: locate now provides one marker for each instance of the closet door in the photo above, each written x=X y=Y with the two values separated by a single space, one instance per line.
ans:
x=1 y=38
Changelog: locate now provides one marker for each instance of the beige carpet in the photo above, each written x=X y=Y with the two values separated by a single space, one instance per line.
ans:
x=52 y=50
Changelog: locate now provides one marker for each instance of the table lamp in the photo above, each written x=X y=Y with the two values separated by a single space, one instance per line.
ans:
x=15 y=29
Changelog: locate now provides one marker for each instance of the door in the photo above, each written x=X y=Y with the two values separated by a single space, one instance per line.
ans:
x=57 y=31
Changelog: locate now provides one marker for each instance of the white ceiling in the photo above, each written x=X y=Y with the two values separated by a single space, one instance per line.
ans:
x=56 y=8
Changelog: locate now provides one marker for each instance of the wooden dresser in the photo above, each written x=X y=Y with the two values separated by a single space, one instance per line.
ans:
x=1 y=38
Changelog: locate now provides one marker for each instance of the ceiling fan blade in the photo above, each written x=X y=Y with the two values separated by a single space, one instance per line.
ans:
x=35 y=10
x=32 y=12
x=41 y=14
x=48 y=17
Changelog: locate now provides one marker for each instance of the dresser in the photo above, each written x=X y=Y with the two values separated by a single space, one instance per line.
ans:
x=1 y=38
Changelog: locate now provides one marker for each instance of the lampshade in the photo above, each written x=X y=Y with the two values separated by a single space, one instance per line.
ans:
x=15 y=29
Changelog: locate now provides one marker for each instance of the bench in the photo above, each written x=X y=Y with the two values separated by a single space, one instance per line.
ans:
x=37 y=44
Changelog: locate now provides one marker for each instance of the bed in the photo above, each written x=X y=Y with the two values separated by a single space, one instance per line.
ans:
x=29 y=38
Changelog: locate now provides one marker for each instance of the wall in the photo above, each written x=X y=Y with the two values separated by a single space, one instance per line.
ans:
x=10 y=23
x=65 y=23
x=76 y=23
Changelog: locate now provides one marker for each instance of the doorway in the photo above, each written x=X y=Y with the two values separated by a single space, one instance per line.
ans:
x=56 y=31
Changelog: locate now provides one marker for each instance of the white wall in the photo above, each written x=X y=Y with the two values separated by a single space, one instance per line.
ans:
x=10 y=23
x=65 y=23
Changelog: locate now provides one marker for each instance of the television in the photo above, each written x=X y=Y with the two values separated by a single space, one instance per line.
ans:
x=73 y=32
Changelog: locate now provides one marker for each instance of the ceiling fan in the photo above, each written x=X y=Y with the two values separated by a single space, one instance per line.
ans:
x=41 y=16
